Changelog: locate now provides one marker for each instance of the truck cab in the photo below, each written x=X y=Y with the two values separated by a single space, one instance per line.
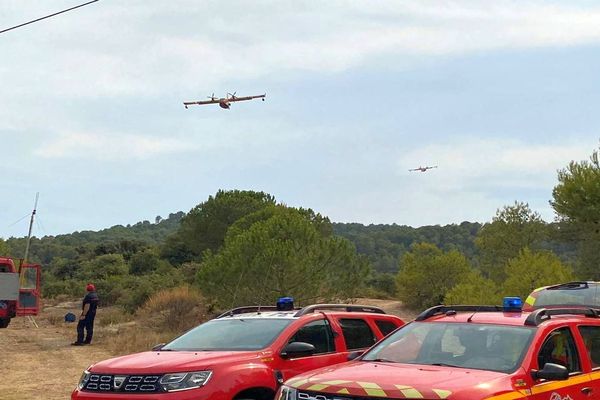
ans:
x=19 y=292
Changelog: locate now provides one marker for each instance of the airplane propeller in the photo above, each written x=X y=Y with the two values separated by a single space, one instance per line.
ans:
x=212 y=97
x=232 y=95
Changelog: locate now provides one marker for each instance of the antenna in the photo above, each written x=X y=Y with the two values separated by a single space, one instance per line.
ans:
x=37 y=196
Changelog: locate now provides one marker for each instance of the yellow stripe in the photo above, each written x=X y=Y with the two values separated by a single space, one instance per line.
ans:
x=372 y=389
x=530 y=300
x=344 y=391
x=337 y=382
x=317 y=387
x=297 y=382
x=549 y=386
x=412 y=394
x=442 y=394
x=507 y=396
x=369 y=385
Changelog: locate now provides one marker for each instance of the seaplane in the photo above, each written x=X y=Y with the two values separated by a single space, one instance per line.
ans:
x=224 y=102
x=423 y=169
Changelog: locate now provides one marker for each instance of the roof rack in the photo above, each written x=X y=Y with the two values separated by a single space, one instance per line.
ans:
x=344 y=307
x=249 y=309
x=543 y=314
x=442 y=309
x=570 y=286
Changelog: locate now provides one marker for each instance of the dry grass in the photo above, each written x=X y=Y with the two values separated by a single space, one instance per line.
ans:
x=164 y=316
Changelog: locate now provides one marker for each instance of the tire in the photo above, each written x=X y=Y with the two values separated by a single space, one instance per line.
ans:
x=4 y=322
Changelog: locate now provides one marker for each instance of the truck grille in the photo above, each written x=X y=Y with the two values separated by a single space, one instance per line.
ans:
x=326 y=396
x=123 y=383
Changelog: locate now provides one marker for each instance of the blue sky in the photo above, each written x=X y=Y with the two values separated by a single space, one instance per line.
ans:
x=498 y=94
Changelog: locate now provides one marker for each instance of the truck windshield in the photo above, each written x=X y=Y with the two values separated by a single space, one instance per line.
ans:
x=567 y=294
x=233 y=334
x=478 y=346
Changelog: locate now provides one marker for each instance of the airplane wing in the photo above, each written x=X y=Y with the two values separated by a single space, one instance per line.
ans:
x=244 y=98
x=200 y=103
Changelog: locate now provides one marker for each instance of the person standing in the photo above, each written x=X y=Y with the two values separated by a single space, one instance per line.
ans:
x=86 y=319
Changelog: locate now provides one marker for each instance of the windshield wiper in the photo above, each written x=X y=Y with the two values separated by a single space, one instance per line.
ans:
x=380 y=360
x=446 y=365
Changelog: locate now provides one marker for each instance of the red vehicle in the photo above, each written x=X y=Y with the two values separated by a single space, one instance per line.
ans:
x=19 y=293
x=578 y=293
x=245 y=353
x=471 y=353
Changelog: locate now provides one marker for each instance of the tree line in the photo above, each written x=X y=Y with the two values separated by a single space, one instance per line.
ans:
x=243 y=247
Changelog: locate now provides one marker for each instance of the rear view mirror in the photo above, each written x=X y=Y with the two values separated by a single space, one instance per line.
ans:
x=298 y=349
x=551 y=372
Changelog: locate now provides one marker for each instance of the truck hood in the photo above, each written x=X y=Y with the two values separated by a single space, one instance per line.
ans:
x=401 y=381
x=160 y=362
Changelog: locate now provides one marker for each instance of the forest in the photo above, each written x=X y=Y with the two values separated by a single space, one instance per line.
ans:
x=244 y=247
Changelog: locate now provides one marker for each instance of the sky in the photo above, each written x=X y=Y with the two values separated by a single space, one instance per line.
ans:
x=499 y=95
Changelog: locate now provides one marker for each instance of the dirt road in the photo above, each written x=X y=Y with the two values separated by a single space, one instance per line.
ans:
x=40 y=363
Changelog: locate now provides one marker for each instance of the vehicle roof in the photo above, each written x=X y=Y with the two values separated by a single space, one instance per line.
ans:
x=503 y=318
x=291 y=315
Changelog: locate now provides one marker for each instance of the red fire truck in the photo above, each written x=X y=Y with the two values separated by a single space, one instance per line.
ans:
x=19 y=290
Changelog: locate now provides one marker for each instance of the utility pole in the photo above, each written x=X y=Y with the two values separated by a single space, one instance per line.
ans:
x=37 y=195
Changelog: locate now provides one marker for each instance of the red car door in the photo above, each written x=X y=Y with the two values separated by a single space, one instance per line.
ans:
x=560 y=347
x=319 y=334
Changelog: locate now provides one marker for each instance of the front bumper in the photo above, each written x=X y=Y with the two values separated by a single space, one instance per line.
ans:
x=192 y=394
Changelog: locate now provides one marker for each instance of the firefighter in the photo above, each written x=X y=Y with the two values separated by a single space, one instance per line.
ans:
x=86 y=319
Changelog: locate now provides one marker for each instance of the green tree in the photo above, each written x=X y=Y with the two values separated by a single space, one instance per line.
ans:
x=145 y=262
x=4 y=251
x=475 y=289
x=530 y=270
x=103 y=267
x=205 y=226
x=512 y=229
x=284 y=255
x=427 y=274
x=576 y=201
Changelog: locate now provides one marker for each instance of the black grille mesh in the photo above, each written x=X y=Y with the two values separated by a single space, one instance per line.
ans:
x=123 y=383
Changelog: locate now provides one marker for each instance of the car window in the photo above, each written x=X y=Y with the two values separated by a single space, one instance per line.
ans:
x=385 y=326
x=567 y=294
x=357 y=333
x=591 y=338
x=230 y=334
x=465 y=345
x=318 y=333
x=559 y=348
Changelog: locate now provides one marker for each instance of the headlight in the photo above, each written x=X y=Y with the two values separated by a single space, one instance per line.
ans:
x=286 y=393
x=184 y=380
x=85 y=377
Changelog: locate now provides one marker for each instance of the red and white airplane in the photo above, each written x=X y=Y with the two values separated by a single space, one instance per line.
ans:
x=224 y=102
x=422 y=169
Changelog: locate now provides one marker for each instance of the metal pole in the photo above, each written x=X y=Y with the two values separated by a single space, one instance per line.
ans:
x=37 y=195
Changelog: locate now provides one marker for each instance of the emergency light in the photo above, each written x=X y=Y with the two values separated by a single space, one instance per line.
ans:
x=285 y=304
x=512 y=304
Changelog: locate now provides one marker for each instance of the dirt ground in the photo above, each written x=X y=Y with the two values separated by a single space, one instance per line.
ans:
x=40 y=363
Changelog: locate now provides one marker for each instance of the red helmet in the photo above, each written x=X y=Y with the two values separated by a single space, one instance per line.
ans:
x=90 y=287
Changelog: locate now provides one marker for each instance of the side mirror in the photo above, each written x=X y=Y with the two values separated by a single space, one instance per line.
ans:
x=158 y=347
x=298 y=349
x=551 y=372
x=354 y=355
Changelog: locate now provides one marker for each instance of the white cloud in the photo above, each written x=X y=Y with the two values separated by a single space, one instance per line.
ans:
x=109 y=146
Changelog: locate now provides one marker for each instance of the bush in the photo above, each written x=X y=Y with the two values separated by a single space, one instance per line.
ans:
x=173 y=310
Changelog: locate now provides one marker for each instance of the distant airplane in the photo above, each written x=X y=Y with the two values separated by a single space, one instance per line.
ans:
x=224 y=102
x=422 y=169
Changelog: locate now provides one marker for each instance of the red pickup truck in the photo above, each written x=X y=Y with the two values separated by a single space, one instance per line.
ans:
x=244 y=354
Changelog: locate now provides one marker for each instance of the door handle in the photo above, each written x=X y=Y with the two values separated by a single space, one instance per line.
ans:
x=586 y=390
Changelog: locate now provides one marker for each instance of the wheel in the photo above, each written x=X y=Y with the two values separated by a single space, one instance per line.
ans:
x=4 y=322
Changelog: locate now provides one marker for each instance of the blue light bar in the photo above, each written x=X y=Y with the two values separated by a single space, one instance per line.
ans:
x=285 y=304
x=512 y=304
